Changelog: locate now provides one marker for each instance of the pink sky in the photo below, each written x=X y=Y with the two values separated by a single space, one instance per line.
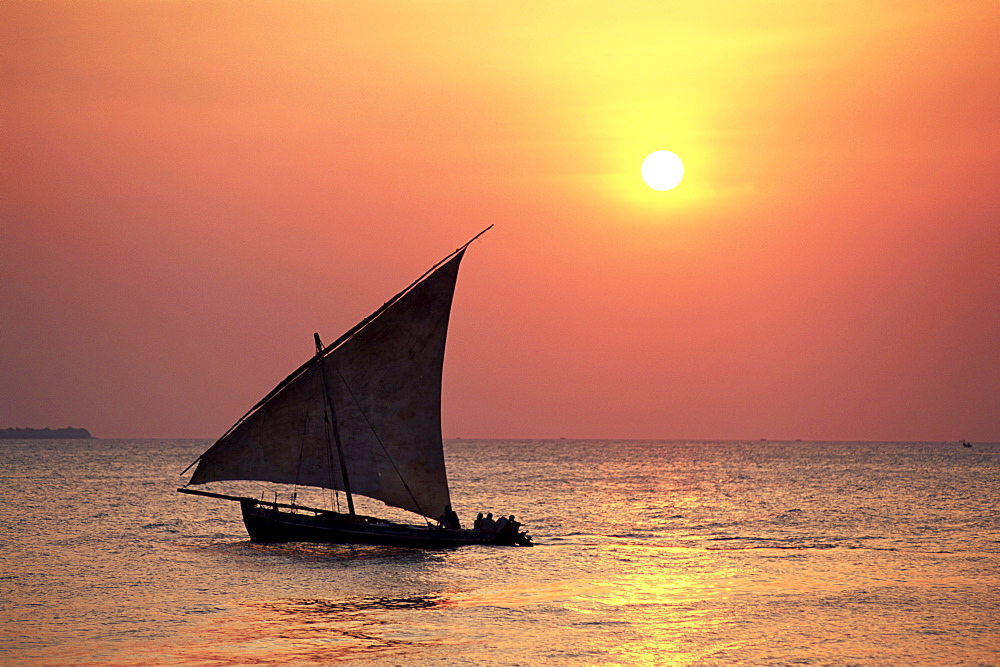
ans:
x=189 y=190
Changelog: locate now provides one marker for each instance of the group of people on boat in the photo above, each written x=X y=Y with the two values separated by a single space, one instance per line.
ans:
x=506 y=526
x=487 y=524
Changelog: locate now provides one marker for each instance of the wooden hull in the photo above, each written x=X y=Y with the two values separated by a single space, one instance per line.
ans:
x=270 y=524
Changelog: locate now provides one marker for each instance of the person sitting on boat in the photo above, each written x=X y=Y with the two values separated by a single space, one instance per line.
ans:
x=478 y=523
x=508 y=527
x=449 y=519
x=488 y=525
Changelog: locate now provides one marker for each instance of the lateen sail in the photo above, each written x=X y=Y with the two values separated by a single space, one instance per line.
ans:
x=382 y=397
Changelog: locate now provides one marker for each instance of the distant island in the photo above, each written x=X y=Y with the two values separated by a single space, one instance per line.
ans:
x=44 y=433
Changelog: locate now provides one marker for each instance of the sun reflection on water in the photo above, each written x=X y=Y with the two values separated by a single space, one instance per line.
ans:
x=660 y=597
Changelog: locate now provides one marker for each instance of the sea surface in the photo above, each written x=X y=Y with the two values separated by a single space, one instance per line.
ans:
x=648 y=553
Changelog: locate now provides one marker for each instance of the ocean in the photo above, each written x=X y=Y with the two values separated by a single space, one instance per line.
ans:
x=648 y=553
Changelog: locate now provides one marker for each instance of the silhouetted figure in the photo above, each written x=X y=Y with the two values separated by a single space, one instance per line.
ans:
x=488 y=525
x=449 y=519
x=478 y=524
x=508 y=531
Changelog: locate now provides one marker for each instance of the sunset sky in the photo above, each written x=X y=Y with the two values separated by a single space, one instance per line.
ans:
x=188 y=190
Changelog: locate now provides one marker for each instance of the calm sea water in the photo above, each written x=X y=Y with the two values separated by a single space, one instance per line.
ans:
x=650 y=553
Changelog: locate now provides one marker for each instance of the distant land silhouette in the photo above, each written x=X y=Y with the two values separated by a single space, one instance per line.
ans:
x=43 y=433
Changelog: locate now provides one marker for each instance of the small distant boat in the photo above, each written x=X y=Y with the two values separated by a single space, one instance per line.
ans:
x=363 y=416
x=966 y=443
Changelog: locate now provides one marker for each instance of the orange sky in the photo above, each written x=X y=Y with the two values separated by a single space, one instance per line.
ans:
x=190 y=189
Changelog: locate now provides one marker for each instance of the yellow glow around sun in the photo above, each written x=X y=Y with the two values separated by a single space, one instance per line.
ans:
x=662 y=170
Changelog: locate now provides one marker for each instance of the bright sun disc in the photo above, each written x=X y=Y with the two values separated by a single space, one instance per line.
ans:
x=662 y=170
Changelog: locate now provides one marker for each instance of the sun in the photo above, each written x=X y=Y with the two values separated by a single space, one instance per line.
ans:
x=662 y=170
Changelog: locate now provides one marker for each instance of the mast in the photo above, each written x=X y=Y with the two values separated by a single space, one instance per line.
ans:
x=336 y=432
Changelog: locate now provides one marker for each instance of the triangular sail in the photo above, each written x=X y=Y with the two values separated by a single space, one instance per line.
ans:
x=382 y=394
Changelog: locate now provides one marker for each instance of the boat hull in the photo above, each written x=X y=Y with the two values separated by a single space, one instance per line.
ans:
x=270 y=524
